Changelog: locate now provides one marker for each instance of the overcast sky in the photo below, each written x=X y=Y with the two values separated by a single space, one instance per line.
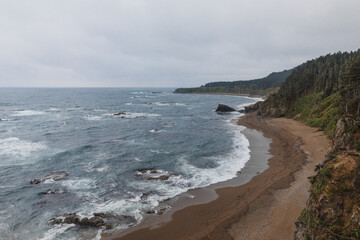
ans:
x=166 y=43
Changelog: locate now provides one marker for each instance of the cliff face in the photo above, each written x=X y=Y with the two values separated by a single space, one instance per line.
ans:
x=325 y=93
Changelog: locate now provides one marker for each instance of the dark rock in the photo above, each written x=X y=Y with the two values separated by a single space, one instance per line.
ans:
x=35 y=181
x=114 y=219
x=55 y=221
x=155 y=178
x=120 y=113
x=151 y=212
x=98 y=220
x=224 y=108
x=252 y=108
x=161 y=211
x=92 y=222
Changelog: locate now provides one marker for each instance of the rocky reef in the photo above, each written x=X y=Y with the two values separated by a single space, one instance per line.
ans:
x=98 y=220
x=50 y=177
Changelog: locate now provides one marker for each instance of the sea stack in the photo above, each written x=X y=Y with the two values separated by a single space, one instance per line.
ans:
x=224 y=108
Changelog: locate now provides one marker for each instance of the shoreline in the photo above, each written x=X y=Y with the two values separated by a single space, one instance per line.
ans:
x=258 y=162
x=262 y=208
x=228 y=94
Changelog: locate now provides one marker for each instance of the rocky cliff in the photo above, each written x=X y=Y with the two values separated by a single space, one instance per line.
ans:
x=325 y=93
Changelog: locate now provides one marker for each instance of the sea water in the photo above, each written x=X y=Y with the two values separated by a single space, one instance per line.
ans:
x=108 y=158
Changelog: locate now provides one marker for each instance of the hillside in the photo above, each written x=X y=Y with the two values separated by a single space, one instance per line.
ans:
x=262 y=86
x=325 y=93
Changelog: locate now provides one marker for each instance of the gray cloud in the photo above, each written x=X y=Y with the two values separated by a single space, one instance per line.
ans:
x=166 y=43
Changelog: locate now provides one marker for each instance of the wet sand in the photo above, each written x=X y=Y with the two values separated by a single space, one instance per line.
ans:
x=267 y=206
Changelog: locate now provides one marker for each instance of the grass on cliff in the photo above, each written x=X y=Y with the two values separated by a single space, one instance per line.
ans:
x=318 y=110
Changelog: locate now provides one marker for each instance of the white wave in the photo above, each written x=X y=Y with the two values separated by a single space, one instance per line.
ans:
x=98 y=110
x=158 y=151
x=92 y=118
x=180 y=104
x=13 y=146
x=156 y=131
x=54 y=109
x=21 y=113
x=228 y=167
x=102 y=169
x=80 y=184
x=161 y=104
x=128 y=104
x=168 y=104
x=129 y=115
x=57 y=230
x=6 y=120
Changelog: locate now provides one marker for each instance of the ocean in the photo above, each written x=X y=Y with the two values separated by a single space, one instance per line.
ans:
x=64 y=151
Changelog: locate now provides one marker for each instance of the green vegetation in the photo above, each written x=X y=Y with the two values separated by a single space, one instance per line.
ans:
x=319 y=92
x=317 y=110
x=262 y=86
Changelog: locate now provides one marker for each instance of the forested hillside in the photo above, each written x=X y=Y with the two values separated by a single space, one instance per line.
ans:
x=325 y=93
x=260 y=86
x=319 y=91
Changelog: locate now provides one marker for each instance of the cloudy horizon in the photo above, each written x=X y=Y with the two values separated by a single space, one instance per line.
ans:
x=158 y=43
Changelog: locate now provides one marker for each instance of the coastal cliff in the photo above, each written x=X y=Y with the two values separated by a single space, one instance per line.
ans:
x=325 y=93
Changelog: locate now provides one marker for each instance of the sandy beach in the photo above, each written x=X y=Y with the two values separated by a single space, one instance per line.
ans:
x=264 y=208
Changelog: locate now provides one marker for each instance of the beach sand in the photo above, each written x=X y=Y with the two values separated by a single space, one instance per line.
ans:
x=266 y=207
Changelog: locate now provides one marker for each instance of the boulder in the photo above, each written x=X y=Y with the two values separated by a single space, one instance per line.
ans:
x=224 y=108
x=35 y=181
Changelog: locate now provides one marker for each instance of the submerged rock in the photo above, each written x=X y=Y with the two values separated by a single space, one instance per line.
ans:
x=154 y=175
x=56 y=175
x=224 y=108
x=120 y=113
x=54 y=191
x=50 y=177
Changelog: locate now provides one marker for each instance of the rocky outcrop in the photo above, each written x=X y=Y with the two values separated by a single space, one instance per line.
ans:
x=98 y=220
x=224 y=108
x=73 y=218
x=50 y=177
x=154 y=175
x=251 y=108
x=346 y=133
x=333 y=210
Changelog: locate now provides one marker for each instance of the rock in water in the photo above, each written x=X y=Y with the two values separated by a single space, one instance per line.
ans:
x=35 y=181
x=224 y=108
